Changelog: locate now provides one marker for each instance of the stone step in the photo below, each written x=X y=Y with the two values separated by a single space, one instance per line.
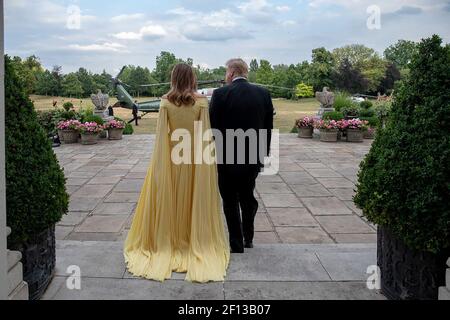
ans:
x=15 y=276
x=14 y=258
x=20 y=293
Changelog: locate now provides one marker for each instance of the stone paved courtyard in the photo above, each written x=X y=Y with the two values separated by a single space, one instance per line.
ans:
x=310 y=242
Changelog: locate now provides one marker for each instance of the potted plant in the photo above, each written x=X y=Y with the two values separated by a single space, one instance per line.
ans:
x=115 y=129
x=68 y=130
x=90 y=132
x=354 y=129
x=36 y=196
x=403 y=182
x=305 y=127
x=328 y=130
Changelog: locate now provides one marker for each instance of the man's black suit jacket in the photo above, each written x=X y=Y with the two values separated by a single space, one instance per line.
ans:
x=242 y=105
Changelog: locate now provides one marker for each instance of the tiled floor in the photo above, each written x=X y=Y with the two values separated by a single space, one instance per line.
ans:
x=310 y=243
x=308 y=201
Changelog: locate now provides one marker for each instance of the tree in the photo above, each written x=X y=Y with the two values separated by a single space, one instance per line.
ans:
x=71 y=86
x=391 y=76
x=264 y=75
x=320 y=71
x=401 y=53
x=58 y=76
x=350 y=79
x=45 y=83
x=85 y=78
x=254 y=65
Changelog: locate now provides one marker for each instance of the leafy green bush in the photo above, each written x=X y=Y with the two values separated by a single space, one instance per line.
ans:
x=341 y=101
x=303 y=90
x=93 y=118
x=373 y=121
x=128 y=129
x=36 y=197
x=366 y=104
x=333 y=115
x=382 y=110
x=351 y=111
x=404 y=181
x=366 y=112
x=67 y=106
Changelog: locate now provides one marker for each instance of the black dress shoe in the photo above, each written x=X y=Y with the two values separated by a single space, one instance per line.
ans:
x=237 y=251
x=248 y=244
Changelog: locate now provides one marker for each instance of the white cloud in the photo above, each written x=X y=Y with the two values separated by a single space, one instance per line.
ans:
x=149 y=32
x=288 y=23
x=283 y=8
x=127 y=17
x=257 y=11
x=106 y=46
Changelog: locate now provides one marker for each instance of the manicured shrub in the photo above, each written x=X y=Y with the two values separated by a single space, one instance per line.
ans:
x=333 y=115
x=404 y=181
x=372 y=121
x=366 y=112
x=36 y=197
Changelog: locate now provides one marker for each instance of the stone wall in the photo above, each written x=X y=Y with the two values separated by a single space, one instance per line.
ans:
x=17 y=288
x=444 y=292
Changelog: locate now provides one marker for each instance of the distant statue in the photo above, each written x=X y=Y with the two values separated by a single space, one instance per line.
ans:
x=100 y=100
x=326 y=98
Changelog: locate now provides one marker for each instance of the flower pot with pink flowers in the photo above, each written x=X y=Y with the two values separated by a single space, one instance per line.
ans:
x=90 y=132
x=305 y=127
x=115 y=129
x=354 y=129
x=68 y=131
x=328 y=130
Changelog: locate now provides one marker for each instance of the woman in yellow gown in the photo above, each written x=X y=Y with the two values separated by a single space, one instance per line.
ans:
x=177 y=224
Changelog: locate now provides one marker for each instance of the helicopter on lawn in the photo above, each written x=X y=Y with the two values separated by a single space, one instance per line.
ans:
x=125 y=100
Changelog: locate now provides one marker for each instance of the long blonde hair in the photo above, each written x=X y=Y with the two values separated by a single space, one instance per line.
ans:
x=183 y=85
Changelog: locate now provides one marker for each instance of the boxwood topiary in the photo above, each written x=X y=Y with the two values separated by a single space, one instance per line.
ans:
x=404 y=181
x=36 y=197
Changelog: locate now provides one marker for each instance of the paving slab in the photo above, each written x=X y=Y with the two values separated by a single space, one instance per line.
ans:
x=280 y=200
x=326 y=206
x=246 y=290
x=344 y=224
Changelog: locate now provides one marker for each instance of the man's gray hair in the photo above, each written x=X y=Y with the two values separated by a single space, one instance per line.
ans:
x=238 y=66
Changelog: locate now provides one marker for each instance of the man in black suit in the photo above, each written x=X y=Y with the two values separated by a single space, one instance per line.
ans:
x=241 y=107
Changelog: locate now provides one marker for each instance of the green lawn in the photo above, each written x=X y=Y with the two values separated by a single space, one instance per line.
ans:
x=287 y=111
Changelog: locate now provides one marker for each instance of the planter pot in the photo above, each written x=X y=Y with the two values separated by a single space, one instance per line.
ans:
x=68 y=136
x=89 y=138
x=369 y=134
x=354 y=135
x=115 y=134
x=408 y=274
x=305 y=132
x=328 y=135
x=38 y=261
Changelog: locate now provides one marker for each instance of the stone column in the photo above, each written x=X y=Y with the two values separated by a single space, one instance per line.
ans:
x=444 y=292
x=3 y=255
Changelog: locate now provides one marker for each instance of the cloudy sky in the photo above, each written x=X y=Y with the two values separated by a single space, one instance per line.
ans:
x=106 y=34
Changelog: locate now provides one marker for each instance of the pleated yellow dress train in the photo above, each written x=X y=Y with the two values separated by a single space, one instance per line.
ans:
x=177 y=224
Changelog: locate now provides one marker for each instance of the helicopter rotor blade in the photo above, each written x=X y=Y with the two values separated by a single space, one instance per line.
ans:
x=272 y=86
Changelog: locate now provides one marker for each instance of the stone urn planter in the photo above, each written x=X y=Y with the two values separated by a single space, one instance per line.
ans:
x=305 y=132
x=328 y=135
x=354 y=135
x=408 y=274
x=38 y=260
x=115 y=134
x=89 y=138
x=68 y=136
